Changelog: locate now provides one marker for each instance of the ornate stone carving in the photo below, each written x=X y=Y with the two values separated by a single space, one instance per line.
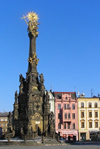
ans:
x=46 y=130
x=22 y=132
x=21 y=79
x=16 y=96
x=36 y=127
x=52 y=124
x=38 y=116
x=51 y=118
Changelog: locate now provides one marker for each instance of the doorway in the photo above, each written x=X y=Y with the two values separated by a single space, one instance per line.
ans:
x=82 y=136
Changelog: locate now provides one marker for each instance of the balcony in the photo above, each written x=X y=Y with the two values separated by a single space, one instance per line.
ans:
x=68 y=108
x=67 y=121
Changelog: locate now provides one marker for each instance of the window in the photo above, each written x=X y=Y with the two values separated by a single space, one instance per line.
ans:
x=90 y=105
x=59 y=106
x=73 y=106
x=82 y=114
x=73 y=115
x=96 y=124
x=65 y=115
x=90 y=114
x=82 y=104
x=96 y=114
x=90 y=124
x=64 y=125
x=73 y=96
x=59 y=96
x=82 y=124
x=95 y=105
x=68 y=106
x=68 y=125
x=59 y=115
x=59 y=126
x=64 y=106
x=3 y=125
x=68 y=115
x=73 y=125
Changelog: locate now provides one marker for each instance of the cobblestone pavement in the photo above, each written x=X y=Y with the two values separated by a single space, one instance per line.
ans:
x=93 y=146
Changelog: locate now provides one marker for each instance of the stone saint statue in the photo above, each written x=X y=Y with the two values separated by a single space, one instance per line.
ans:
x=46 y=97
x=9 y=118
x=16 y=96
x=21 y=79
x=41 y=79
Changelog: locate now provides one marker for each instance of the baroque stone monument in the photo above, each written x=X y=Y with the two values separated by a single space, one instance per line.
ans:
x=31 y=115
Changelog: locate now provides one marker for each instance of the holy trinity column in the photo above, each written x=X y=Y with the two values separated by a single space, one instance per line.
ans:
x=31 y=115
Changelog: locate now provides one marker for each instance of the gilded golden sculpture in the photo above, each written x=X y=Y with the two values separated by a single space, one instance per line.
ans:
x=32 y=22
x=33 y=59
x=34 y=88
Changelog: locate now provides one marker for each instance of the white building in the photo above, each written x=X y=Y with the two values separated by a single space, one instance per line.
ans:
x=51 y=101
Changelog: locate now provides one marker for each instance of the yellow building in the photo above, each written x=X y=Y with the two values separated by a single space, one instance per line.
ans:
x=3 y=123
x=89 y=118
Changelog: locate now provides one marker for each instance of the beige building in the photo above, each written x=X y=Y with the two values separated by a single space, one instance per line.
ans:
x=89 y=118
x=3 y=123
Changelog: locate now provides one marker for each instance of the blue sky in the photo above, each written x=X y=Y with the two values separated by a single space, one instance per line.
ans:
x=68 y=46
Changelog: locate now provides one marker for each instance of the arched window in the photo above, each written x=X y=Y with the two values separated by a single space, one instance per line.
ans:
x=82 y=104
x=90 y=105
x=95 y=104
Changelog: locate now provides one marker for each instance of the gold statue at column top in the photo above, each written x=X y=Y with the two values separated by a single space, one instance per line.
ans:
x=31 y=20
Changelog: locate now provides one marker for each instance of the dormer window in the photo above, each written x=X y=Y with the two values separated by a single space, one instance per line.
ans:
x=59 y=96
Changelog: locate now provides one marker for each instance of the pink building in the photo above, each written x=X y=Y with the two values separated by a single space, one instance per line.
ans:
x=66 y=114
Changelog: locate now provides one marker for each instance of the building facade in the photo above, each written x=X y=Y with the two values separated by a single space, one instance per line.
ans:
x=51 y=101
x=89 y=118
x=66 y=114
x=3 y=123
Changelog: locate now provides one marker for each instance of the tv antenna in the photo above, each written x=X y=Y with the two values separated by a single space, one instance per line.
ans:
x=92 y=92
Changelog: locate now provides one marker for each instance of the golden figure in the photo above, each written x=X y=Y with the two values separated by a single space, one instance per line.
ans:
x=32 y=22
x=34 y=88
x=33 y=59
